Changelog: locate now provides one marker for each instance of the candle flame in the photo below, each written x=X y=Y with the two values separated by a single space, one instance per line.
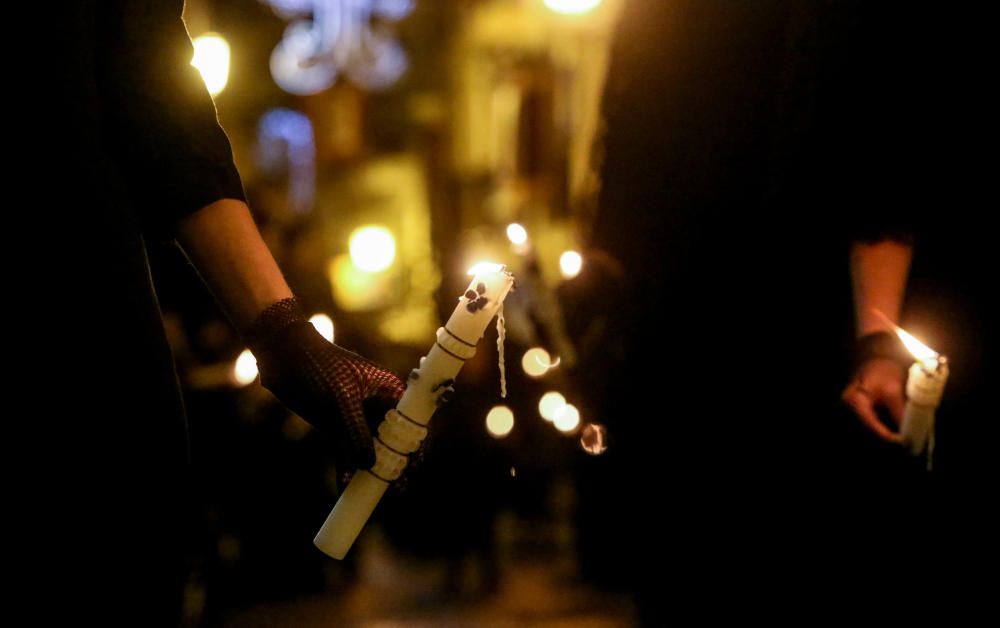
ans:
x=928 y=357
x=483 y=268
x=924 y=354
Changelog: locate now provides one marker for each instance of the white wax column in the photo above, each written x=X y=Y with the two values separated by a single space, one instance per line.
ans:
x=924 y=389
x=404 y=427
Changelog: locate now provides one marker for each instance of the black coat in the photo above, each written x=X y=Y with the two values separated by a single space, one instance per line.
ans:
x=126 y=141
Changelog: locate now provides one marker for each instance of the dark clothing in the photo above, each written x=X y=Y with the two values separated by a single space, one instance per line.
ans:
x=747 y=145
x=133 y=136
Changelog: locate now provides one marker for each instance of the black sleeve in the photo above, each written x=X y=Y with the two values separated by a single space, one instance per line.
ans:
x=159 y=120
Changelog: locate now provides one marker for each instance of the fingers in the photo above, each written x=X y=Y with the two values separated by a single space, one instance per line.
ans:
x=390 y=389
x=862 y=401
x=359 y=436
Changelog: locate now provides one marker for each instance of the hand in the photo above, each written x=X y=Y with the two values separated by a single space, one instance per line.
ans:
x=327 y=385
x=878 y=382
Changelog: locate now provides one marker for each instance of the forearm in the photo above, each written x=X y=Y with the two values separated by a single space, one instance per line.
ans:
x=878 y=274
x=223 y=243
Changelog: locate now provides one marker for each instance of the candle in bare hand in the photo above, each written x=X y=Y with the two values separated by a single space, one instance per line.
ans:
x=405 y=427
x=924 y=389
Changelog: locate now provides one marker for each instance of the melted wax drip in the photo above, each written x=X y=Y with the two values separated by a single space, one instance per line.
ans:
x=501 y=335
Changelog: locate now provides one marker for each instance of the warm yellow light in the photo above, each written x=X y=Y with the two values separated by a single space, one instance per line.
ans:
x=354 y=289
x=517 y=234
x=211 y=57
x=550 y=404
x=324 y=325
x=484 y=268
x=245 y=369
x=567 y=418
x=594 y=439
x=924 y=354
x=572 y=7
x=500 y=421
x=536 y=362
x=373 y=248
x=570 y=264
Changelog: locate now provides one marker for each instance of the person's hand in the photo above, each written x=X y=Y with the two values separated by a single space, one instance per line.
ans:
x=878 y=383
x=327 y=385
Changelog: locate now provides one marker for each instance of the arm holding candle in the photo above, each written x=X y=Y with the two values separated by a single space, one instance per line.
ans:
x=320 y=381
x=878 y=271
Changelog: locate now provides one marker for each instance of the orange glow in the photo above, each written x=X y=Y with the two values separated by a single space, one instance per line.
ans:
x=594 y=439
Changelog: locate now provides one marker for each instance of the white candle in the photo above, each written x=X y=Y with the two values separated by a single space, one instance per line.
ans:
x=404 y=427
x=924 y=389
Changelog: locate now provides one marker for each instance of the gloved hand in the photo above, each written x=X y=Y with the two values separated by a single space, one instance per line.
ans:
x=878 y=383
x=327 y=385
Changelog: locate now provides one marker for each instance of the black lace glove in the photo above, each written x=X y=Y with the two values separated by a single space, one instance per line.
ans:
x=327 y=385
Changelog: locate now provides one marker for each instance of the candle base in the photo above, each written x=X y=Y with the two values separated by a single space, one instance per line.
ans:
x=349 y=516
x=917 y=428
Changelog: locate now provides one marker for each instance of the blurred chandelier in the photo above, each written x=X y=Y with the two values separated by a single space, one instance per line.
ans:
x=327 y=38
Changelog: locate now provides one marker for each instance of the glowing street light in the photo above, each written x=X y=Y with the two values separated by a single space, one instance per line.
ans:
x=211 y=57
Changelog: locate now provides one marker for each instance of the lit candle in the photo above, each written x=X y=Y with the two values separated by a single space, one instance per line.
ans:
x=405 y=426
x=924 y=389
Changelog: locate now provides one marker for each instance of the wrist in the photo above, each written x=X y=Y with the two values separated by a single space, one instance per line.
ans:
x=272 y=321
x=883 y=345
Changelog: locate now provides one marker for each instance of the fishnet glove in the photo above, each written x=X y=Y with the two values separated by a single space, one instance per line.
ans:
x=327 y=385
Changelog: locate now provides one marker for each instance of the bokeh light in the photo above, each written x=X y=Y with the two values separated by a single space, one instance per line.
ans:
x=550 y=404
x=572 y=7
x=500 y=421
x=570 y=263
x=594 y=439
x=536 y=362
x=245 y=369
x=567 y=418
x=324 y=325
x=516 y=233
x=211 y=57
x=373 y=248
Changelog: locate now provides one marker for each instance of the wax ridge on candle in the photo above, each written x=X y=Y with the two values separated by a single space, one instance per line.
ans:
x=501 y=336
